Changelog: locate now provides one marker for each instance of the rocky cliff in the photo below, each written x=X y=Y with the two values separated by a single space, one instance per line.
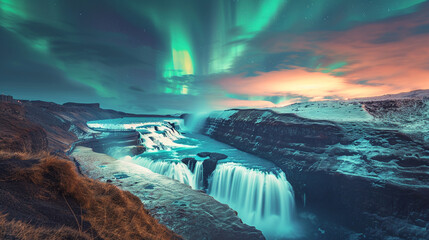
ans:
x=366 y=175
x=17 y=133
x=46 y=126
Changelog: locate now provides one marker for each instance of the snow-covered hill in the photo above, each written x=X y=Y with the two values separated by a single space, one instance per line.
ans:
x=407 y=112
x=417 y=94
x=328 y=110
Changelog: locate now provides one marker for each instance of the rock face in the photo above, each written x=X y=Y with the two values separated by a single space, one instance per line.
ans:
x=40 y=126
x=137 y=150
x=409 y=115
x=358 y=174
x=65 y=124
x=209 y=164
x=17 y=133
x=212 y=155
x=190 y=162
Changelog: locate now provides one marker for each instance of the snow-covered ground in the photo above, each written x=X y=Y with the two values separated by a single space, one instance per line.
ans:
x=328 y=110
x=417 y=94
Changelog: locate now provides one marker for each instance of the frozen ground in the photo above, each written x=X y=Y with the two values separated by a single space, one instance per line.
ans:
x=328 y=110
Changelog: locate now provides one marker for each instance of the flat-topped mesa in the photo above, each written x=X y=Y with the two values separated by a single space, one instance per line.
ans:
x=89 y=105
x=55 y=126
x=6 y=98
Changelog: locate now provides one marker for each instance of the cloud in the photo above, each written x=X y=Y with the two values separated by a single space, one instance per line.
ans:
x=136 y=88
x=71 y=51
x=225 y=103
x=390 y=56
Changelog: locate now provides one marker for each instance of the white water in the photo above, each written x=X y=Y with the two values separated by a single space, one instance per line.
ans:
x=173 y=169
x=255 y=188
x=133 y=123
x=262 y=199
x=160 y=137
x=195 y=122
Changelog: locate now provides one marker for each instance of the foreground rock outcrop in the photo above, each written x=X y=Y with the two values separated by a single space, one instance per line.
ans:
x=43 y=197
x=367 y=176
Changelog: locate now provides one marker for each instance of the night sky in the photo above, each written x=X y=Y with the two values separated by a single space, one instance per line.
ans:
x=168 y=56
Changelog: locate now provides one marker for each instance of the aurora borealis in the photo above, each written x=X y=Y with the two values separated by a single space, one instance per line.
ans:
x=163 y=56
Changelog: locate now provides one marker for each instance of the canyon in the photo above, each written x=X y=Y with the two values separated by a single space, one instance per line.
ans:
x=356 y=169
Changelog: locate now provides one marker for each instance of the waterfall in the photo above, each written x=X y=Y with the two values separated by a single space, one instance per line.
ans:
x=262 y=199
x=195 y=121
x=198 y=176
x=173 y=169
x=119 y=124
x=160 y=137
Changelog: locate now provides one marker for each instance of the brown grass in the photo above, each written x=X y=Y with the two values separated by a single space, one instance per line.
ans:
x=112 y=213
x=20 y=230
x=21 y=155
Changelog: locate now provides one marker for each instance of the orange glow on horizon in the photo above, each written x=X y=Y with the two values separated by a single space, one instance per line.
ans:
x=298 y=82
x=372 y=68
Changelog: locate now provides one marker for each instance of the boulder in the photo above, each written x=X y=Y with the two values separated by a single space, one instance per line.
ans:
x=212 y=155
x=190 y=162
x=137 y=150
x=209 y=164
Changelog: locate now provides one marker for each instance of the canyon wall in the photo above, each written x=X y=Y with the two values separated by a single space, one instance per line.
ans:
x=369 y=178
x=34 y=126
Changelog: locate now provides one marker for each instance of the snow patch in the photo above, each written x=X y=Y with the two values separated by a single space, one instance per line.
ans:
x=340 y=111
x=224 y=115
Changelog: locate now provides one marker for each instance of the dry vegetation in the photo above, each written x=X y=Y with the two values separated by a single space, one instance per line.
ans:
x=111 y=212
x=20 y=230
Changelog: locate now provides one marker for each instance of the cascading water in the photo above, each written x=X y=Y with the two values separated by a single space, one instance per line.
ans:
x=260 y=194
x=198 y=175
x=173 y=169
x=159 y=137
x=262 y=199
x=195 y=122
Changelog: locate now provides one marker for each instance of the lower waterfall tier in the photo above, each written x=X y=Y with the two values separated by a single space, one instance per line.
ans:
x=262 y=199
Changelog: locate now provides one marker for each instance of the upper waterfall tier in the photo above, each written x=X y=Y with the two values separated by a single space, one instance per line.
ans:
x=134 y=123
